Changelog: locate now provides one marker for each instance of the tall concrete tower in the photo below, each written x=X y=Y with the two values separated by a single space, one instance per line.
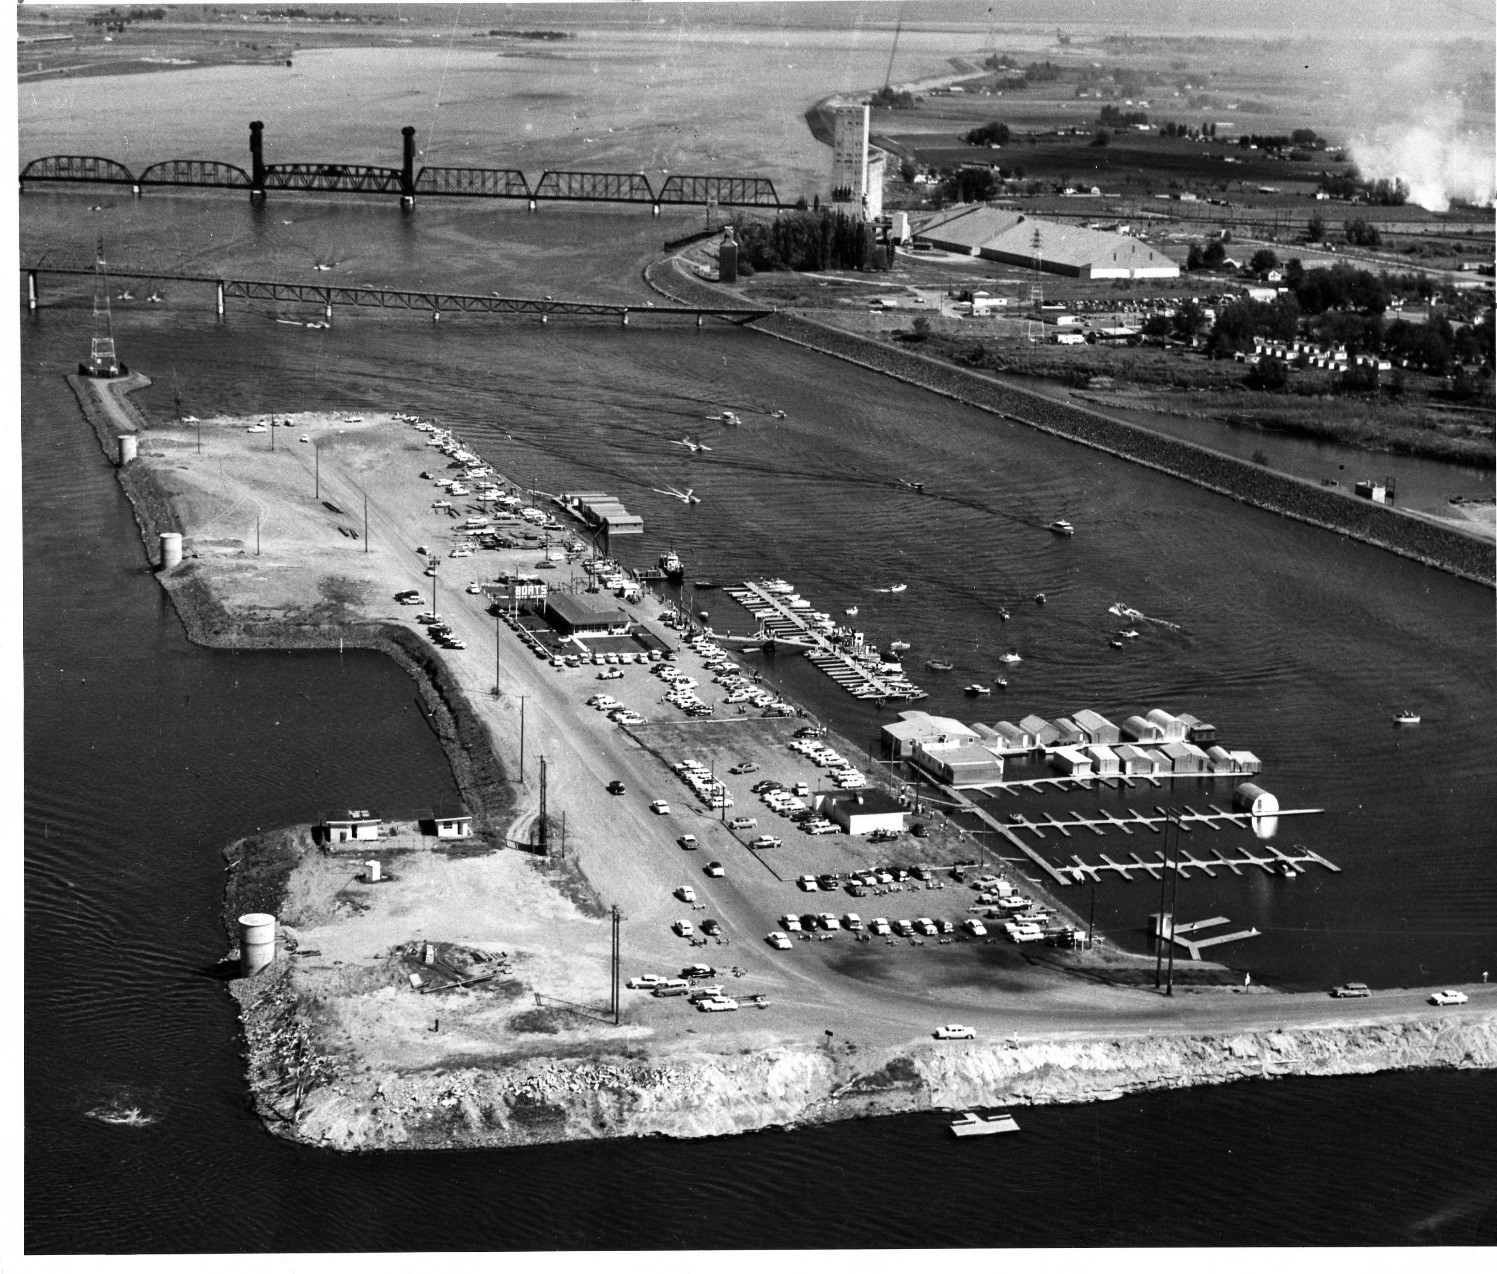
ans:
x=857 y=174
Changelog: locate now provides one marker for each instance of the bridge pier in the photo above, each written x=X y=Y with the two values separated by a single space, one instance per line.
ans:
x=532 y=205
x=699 y=320
x=327 y=310
x=625 y=319
x=135 y=190
x=656 y=211
x=33 y=296
x=545 y=318
x=220 y=298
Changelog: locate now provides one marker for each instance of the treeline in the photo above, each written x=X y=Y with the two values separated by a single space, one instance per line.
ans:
x=114 y=20
x=889 y=99
x=992 y=133
x=1116 y=118
x=810 y=239
x=1035 y=73
x=1349 y=184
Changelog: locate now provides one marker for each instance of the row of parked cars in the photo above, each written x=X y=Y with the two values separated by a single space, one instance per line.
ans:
x=844 y=773
x=829 y=921
x=616 y=711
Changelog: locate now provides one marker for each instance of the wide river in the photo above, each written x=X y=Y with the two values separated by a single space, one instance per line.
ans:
x=146 y=756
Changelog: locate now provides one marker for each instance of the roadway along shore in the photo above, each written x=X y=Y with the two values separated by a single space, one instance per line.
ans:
x=345 y=1051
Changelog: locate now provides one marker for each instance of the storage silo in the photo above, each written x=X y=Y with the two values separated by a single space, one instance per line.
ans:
x=1253 y=799
x=727 y=258
x=171 y=550
x=256 y=942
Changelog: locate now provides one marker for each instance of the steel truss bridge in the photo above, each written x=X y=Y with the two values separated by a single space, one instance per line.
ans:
x=434 y=303
x=553 y=185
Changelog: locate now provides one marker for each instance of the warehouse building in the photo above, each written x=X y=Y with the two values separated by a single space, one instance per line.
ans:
x=1013 y=238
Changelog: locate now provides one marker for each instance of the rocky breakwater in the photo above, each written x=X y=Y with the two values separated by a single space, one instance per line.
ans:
x=311 y=1096
x=1375 y=524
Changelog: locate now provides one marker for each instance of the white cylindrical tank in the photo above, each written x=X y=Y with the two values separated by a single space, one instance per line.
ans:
x=256 y=942
x=171 y=550
x=371 y=870
x=128 y=444
x=1257 y=802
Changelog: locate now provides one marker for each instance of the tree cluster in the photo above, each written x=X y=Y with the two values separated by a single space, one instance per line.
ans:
x=1362 y=234
x=1116 y=118
x=810 y=240
x=968 y=185
x=993 y=133
x=1239 y=322
x=892 y=100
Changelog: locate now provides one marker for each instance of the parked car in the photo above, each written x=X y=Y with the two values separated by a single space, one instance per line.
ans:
x=713 y=868
x=879 y=926
x=698 y=971
x=925 y=925
x=955 y=1031
x=744 y=767
x=766 y=842
x=686 y=893
x=904 y=928
x=719 y=1004
x=660 y=807
x=919 y=831
x=778 y=940
x=687 y=841
x=740 y=823
x=1352 y=991
x=975 y=927
x=790 y=923
x=808 y=883
x=616 y=788
x=852 y=921
x=711 y=928
x=683 y=928
x=1448 y=997
x=644 y=982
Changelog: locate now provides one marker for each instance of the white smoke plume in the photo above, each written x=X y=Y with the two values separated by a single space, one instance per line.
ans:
x=1437 y=164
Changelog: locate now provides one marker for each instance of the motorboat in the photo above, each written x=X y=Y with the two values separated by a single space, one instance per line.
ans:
x=1000 y=683
x=1128 y=633
x=1004 y=615
x=968 y=1124
x=1115 y=644
x=897 y=588
x=1039 y=598
x=852 y=610
x=899 y=645
x=977 y=691
x=939 y=665
x=778 y=415
x=1406 y=718
x=1061 y=527
x=704 y=583
x=672 y=566
x=1010 y=657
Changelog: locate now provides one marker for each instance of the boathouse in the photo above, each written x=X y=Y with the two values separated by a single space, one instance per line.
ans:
x=959 y=764
x=1181 y=759
x=1137 y=730
x=359 y=825
x=1104 y=759
x=1014 y=738
x=1132 y=760
x=1196 y=730
x=1068 y=734
x=1097 y=727
x=1043 y=732
x=916 y=728
x=1073 y=761
x=1171 y=729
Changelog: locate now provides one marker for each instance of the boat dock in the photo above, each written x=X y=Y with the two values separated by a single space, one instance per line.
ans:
x=1195 y=945
x=782 y=622
x=1271 y=861
x=1060 y=782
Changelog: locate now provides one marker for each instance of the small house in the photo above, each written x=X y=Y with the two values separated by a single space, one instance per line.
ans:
x=358 y=825
x=454 y=826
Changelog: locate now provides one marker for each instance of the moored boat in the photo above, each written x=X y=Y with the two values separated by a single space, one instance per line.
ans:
x=978 y=691
x=1061 y=527
x=938 y=665
x=1010 y=657
x=1406 y=718
x=672 y=566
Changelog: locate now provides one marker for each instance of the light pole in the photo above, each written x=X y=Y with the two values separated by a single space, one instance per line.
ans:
x=433 y=562
x=522 y=699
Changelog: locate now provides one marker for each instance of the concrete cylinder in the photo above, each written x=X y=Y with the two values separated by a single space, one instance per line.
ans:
x=256 y=942
x=624 y=321
x=1251 y=797
x=128 y=444
x=371 y=870
x=171 y=550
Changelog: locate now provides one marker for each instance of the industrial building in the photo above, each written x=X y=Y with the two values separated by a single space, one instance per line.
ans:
x=1014 y=238
x=579 y=616
x=861 y=812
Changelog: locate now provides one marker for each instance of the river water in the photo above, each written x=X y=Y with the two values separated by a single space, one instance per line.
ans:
x=146 y=756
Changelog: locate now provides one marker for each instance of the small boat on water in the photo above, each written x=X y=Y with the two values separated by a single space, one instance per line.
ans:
x=1406 y=718
x=1129 y=633
x=778 y=415
x=1000 y=683
x=1010 y=657
x=897 y=588
x=1061 y=527
x=704 y=583
x=968 y=1124
x=899 y=645
x=1004 y=615
x=939 y=665
x=1040 y=598
x=1115 y=644
x=852 y=610
x=978 y=691
x=670 y=564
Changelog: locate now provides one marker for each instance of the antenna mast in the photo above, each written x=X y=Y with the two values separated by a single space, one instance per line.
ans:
x=102 y=360
x=898 y=24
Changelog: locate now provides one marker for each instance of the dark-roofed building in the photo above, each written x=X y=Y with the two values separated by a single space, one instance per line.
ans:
x=580 y=615
x=865 y=810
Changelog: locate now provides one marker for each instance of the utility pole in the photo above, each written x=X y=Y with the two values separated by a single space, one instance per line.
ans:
x=257 y=535
x=1159 y=944
x=317 y=473
x=435 y=562
x=1169 y=983
x=522 y=738
x=545 y=848
x=366 y=521
x=617 y=916
x=496 y=652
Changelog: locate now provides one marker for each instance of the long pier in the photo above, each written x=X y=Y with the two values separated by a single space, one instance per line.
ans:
x=1153 y=822
x=329 y=296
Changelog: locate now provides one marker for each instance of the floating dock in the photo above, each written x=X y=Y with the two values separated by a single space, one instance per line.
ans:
x=781 y=621
x=1196 y=945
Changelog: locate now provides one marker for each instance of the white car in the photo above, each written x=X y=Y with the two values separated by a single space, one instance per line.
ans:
x=879 y=926
x=683 y=928
x=256 y=429
x=713 y=869
x=741 y=824
x=925 y=925
x=766 y=842
x=718 y=1004
x=778 y=940
x=660 y=807
x=791 y=924
x=1448 y=997
x=686 y=893
x=644 y=982
x=808 y=883
x=975 y=927
x=852 y=921
x=820 y=827
x=610 y=674
x=955 y=1031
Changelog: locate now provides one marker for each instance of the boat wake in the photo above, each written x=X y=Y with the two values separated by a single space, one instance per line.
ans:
x=121 y=1113
x=1127 y=612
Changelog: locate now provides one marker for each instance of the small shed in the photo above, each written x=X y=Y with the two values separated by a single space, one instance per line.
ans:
x=1247 y=762
x=359 y=825
x=1196 y=730
x=454 y=826
x=1132 y=760
x=1253 y=799
x=1104 y=759
x=863 y=811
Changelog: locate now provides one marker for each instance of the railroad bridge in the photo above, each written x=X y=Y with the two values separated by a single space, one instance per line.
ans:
x=407 y=181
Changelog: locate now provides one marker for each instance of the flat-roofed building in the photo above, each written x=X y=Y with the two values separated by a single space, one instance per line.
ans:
x=358 y=825
x=960 y=765
x=865 y=810
x=1073 y=761
x=579 y=616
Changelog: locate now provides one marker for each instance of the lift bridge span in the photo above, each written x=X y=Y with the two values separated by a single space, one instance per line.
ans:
x=328 y=296
x=408 y=181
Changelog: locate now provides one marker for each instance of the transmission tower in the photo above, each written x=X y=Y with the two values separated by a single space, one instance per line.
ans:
x=102 y=360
